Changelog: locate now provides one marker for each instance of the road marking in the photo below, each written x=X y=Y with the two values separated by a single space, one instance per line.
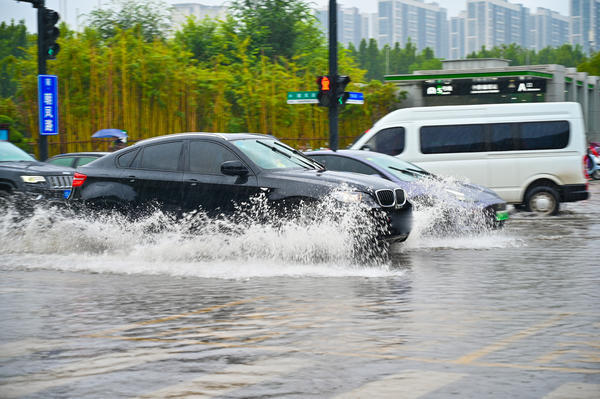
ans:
x=503 y=343
x=410 y=384
x=14 y=387
x=169 y=318
x=577 y=390
x=229 y=379
x=29 y=345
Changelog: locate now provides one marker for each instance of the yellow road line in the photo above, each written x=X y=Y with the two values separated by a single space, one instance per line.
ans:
x=471 y=357
x=173 y=317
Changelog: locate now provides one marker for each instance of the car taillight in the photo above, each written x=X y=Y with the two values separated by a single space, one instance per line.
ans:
x=585 y=162
x=78 y=179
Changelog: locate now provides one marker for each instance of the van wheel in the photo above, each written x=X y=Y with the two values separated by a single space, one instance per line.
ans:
x=543 y=200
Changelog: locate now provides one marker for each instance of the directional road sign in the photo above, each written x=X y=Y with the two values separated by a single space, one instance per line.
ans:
x=355 y=98
x=302 y=97
x=48 y=102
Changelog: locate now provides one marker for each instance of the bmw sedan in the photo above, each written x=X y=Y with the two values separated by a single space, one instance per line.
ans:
x=422 y=188
x=216 y=172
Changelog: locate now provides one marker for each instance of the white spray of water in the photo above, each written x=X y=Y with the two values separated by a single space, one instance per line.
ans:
x=324 y=239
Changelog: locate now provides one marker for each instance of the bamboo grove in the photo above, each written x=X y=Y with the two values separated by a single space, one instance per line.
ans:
x=151 y=88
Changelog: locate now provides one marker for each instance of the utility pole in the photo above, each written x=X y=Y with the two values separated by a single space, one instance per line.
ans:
x=40 y=5
x=333 y=73
x=47 y=49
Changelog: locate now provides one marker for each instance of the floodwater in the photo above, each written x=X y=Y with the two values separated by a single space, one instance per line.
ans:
x=103 y=308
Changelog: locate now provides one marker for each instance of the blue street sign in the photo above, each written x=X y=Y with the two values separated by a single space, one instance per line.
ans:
x=48 y=101
x=355 y=98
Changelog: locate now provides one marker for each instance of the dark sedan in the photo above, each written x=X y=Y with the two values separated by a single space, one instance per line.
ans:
x=75 y=159
x=423 y=188
x=214 y=172
x=21 y=173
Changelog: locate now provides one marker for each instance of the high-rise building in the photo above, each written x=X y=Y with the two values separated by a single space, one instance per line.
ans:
x=424 y=24
x=492 y=23
x=456 y=45
x=548 y=28
x=585 y=24
x=350 y=24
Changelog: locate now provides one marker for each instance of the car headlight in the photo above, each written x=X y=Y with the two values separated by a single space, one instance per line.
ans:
x=350 y=196
x=33 y=179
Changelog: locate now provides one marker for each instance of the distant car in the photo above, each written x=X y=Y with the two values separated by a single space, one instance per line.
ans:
x=214 y=172
x=21 y=173
x=422 y=187
x=75 y=159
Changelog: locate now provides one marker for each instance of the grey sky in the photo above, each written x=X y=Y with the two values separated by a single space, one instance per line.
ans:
x=70 y=9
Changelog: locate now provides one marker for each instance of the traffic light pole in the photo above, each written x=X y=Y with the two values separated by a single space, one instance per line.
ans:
x=333 y=73
x=43 y=139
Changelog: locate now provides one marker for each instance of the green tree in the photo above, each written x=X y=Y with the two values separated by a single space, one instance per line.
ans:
x=276 y=27
x=13 y=45
x=151 y=17
x=591 y=66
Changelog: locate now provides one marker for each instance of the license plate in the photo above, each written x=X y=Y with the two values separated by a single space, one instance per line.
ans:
x=66 y=194
x=501 y=215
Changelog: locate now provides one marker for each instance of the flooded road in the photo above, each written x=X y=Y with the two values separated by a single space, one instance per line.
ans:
x=104 y=310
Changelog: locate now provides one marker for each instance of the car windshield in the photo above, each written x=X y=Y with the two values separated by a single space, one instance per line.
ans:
x=272 y=154
x=403 y=170
x=10 y=152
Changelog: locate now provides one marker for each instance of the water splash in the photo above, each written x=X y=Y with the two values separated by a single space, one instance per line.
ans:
x=323 y=238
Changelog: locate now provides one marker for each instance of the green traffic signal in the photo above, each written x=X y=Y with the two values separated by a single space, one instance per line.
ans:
x=50 y=33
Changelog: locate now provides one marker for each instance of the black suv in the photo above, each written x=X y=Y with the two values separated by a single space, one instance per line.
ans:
x=21 y=173
x=214 y=172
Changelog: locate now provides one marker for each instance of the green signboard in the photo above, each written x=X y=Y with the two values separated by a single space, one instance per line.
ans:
x=302 y=97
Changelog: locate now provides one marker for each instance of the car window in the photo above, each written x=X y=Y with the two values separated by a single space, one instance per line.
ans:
x=452 y=138
x=207 y=156
x=388 y=141
x=125 y=160
x=501 y=137
x=544 y=135
x=164 y=156
x=84 y=160
x=10 y=152
x=272 y=154
x=343 y=164
x=62 y=161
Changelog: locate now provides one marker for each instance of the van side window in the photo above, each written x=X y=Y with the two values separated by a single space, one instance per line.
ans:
x=501 y=137
x=388 y=141
x=544 y=135
x=454 y=138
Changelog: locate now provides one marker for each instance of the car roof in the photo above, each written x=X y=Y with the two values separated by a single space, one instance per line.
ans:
x=70 y=154
x=220 y=136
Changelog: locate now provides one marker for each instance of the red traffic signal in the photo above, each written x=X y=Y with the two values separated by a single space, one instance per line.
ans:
x=325 y=93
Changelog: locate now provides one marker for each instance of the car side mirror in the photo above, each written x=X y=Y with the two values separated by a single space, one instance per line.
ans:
x=234 y=168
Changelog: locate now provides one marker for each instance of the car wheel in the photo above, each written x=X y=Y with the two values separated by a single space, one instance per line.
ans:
x=596 y=175
x=543 y=200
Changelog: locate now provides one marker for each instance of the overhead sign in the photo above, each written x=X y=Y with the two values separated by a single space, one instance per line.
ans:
x=355 y=98
x=48 y=104
x=469 y=87
x=302 y=97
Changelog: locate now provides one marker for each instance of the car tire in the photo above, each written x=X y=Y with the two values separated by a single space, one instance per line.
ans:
x=543 y=200
x=596 y=175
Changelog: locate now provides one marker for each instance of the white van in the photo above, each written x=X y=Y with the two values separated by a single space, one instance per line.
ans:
x=531 y=154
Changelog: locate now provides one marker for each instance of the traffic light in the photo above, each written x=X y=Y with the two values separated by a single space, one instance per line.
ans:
x=341 y=96
x=50 y=34
x=325 y=91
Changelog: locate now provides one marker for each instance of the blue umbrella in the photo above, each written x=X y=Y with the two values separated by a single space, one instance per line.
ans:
x=118 y=133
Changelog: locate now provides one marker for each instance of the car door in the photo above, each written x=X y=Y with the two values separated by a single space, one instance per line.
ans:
x=157 y=176
x=206 y=187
